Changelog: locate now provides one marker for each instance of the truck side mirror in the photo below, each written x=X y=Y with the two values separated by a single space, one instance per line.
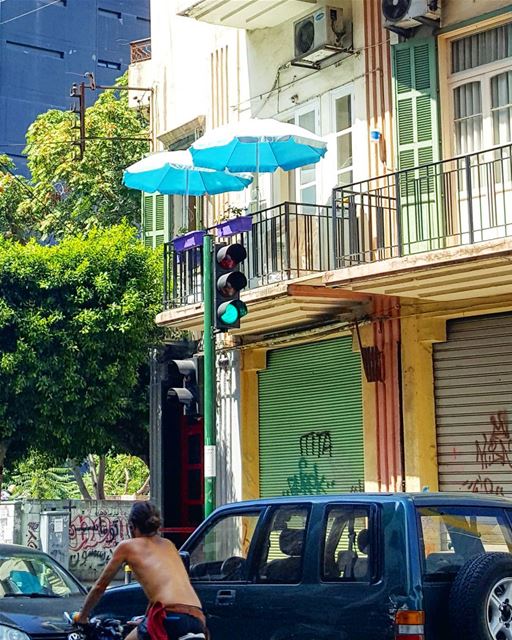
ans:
x=185 y=556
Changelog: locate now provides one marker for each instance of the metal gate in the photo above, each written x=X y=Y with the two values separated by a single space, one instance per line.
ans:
x=310 y=420
x=473 y=393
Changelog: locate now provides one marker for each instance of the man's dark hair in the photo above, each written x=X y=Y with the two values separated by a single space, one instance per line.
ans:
x=146 y=517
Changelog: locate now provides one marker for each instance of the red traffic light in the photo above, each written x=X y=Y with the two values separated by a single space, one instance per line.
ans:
x=231 y=283
x=231 y=255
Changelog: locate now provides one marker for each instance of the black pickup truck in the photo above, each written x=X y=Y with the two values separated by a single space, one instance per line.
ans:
x=430 y=566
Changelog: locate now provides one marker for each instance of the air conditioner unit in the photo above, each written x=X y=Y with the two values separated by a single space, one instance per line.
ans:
x=322 y=34
x=406 y=14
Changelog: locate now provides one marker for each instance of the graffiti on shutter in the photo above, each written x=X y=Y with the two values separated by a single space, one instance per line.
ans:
x=473 y=392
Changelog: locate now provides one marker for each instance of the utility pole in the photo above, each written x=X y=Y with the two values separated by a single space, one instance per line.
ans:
x=210 y=427
x=78 y=91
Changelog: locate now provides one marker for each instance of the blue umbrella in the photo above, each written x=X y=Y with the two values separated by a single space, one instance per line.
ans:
x=258 y=145
x=174 y=173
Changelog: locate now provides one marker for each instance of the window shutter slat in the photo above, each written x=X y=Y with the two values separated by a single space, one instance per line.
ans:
x=148 y=214
x=159 y=216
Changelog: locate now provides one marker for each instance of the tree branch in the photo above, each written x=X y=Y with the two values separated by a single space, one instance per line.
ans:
x=126 y=479
x=144 y=490
x=100 y=491
x=84 y=492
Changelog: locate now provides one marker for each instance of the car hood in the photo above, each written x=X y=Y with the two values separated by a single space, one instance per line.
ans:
x=39 y=615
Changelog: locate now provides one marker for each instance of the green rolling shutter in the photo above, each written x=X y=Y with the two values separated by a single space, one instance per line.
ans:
x=310 y=420
x=415 y=93
x=156 y=219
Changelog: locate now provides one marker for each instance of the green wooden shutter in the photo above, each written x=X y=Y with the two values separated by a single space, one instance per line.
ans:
x=416 y=122
x=156 y=219
x=310 y=420
x=147 y=219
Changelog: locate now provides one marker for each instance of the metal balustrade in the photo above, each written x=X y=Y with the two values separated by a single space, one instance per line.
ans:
x=140 y=50
x=450 y=203
x=286 y=241
x=454 y=202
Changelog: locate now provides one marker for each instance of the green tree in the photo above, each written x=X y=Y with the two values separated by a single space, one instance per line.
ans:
x=35 y=477
x=15 y=211
x=76 y=326
x=77 y=195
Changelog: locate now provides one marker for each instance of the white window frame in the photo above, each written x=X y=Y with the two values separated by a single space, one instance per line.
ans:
x=341 y=92
x=294 y=114
x=482 y=74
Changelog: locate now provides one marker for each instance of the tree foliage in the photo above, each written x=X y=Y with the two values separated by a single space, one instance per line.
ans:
x=77 y=195
x=35 y=477
x=15 y=212
x=76 y=326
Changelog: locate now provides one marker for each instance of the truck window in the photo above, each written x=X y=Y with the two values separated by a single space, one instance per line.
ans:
x=453 y=535
x=220 y=554
x=347 y=546
x=282 y=551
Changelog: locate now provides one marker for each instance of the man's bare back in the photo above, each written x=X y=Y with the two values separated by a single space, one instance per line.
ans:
x=153 y=558
x=158 y=567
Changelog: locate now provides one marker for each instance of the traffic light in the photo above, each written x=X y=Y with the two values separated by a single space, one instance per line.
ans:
x=228 y=282
x=190 y=394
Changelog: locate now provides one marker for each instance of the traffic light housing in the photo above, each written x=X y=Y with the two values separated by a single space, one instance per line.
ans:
x=190 y=394
x=228 y=282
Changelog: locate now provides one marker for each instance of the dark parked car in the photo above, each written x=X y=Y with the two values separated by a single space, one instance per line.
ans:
x=35 y=591
x=350 y=567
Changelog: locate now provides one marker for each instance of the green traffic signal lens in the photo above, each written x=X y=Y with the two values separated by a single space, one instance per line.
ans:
x=230 y=314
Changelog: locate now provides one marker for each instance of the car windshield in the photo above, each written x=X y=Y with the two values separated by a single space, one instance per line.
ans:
x=33 y=575
x=453 y=535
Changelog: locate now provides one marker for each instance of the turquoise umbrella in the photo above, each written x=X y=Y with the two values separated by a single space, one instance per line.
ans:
x=174 y=173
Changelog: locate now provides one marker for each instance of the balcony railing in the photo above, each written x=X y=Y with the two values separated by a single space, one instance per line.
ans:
x=443 y=204
x=140 y=50
x=286 y=241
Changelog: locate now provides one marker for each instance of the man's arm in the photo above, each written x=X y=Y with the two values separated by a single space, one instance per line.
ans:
x=106 y=577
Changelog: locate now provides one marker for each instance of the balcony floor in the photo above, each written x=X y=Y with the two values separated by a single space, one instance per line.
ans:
x=278 y=307
x=457 y=273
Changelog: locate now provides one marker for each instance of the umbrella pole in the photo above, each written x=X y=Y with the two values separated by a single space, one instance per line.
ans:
x=185 y=203
x=257 y=177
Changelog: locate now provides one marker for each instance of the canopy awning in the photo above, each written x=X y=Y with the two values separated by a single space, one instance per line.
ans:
x=244 y=15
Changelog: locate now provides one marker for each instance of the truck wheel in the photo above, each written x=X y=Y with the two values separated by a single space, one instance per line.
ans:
x=481 y=598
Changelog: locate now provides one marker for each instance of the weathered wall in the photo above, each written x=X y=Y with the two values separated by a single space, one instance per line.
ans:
x=95 y=528
x=455 y=11
x=229 y=463
x=10 y=522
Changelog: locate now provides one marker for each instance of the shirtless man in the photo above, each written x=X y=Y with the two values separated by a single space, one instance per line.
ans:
x=174 y=611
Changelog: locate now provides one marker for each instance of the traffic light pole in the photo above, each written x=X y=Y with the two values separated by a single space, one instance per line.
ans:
x=210 y=430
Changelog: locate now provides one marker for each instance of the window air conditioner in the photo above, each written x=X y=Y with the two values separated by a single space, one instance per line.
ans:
x=407 y=14
x=322 y=34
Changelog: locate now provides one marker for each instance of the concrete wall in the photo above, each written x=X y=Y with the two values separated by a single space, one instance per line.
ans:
x=455 y=11
x=95 y=528
x=229 y=462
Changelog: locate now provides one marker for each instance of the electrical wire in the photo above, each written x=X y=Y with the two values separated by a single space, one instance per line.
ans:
x=267 y=94
x=29 y=12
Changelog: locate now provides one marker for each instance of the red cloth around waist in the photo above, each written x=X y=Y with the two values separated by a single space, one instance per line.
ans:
x=157 y=612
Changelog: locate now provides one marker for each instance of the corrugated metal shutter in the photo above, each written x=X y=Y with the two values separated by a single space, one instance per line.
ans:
x=473 y=390
x=310 y=420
